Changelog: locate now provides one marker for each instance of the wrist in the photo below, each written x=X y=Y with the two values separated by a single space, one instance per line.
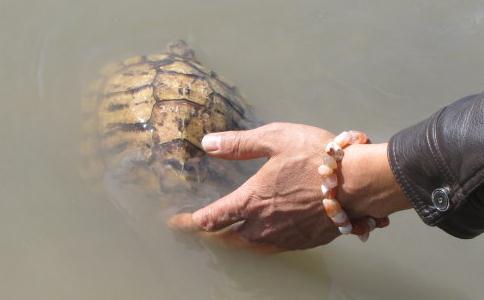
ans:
x=368 y=187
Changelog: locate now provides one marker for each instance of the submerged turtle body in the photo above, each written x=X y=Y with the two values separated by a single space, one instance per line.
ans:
x=146 y=116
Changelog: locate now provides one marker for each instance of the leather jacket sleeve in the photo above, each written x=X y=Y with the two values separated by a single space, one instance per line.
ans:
x=439 y=164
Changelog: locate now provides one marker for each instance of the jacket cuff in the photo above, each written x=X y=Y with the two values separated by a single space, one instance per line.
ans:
x=439 y=165
x=414 y=160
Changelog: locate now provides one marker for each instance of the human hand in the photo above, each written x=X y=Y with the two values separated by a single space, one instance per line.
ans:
x=281 y=204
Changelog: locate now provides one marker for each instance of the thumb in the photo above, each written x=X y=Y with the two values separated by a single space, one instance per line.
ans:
x=237 y=145
x=223 y=212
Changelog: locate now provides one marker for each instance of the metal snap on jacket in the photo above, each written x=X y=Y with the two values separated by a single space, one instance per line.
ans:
x=440 y=199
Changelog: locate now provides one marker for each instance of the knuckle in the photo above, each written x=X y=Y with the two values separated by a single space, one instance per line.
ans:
x=272 y=129
x=209 y=224
x=237 y=145
x=274 y=125
x=253 y=204
x=205 y=224
x=279 y=127
x=272 y=134
x=267 y=231
x=233 y=144
x=206 y=221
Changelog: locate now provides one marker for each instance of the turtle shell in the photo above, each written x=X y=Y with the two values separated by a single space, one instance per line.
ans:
x=146 y=116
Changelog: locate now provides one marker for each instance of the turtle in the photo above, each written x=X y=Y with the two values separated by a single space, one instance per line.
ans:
x=144 y=119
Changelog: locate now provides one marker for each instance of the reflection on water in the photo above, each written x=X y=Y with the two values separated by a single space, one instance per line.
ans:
x=373 y=65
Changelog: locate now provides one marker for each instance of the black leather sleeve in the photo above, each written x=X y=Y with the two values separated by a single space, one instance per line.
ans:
x=439 y=164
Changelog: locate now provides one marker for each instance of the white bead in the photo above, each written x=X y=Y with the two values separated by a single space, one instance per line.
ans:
x=346 y=229
x=338 y=154
x=324 y=170
x=324 y=189
x=340 y=218
x=335 y=151
x=330 y=181
x=330 y=162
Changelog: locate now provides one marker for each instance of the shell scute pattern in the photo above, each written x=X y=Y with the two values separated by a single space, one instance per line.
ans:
x=135 y=107
x=182 y=87
x=180 y=67
x=149 y=114
x=130 y=78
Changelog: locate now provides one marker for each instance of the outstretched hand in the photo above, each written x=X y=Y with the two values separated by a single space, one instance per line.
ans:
x=280 y=205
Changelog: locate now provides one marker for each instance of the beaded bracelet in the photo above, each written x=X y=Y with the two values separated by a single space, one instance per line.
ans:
x=332 y=207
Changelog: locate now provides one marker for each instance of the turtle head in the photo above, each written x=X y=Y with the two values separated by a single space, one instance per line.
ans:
x=180 y=48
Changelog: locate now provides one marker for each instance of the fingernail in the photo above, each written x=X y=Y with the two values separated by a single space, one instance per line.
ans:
x=211 y=142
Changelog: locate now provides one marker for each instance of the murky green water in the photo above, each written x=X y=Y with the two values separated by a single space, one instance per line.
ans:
x=372 y=65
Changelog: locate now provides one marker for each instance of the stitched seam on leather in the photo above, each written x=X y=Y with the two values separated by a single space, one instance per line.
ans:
x=431 y=137
x=439 y=162
x=476 y=180
x=407 y=188
x=435 y=150
x=400 y=176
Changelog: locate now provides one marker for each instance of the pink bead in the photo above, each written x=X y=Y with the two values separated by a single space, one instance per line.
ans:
x=357 y=137
x=332 y=207
x=343 y=139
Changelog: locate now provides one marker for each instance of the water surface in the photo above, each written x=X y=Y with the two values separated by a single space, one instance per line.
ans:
x=377 y=66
